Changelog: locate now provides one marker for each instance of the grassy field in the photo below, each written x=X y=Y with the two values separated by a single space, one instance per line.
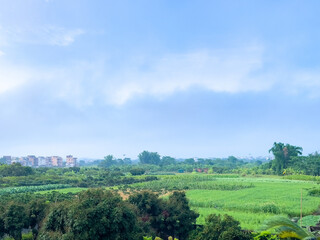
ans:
x=250 y=200
x=64 y=190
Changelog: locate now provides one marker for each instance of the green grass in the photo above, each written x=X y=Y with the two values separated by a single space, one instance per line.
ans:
x=247 y=220
x=250 y=200
x=28 y=189
x=257 y=198
x=65 y=190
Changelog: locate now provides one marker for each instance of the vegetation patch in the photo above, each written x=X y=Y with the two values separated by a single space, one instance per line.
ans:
x=314 y=192
x=27 y=189
x=310 y=220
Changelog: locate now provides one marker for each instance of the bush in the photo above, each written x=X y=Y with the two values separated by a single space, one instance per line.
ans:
x=137 y=171
x=270 y=208
x=222 y=228
x=314 y=192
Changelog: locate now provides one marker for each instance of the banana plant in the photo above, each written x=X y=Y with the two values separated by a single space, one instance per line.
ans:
x=288 y=229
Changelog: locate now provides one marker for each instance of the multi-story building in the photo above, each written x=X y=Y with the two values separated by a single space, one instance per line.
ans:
x=14 y=160
x=71 y=161
x=24 y=161
x=7 y=159
x=49 y=161
x=32 y=161
x=56 y=161
x=42 y=162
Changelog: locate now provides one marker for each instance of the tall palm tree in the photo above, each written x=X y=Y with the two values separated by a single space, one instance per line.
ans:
x=288 y=229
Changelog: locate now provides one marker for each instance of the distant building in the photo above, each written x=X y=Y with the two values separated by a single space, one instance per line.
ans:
x=49 y=161
x=7 y=159
x=24 y=161
x=56 y=161
x=14 y=160
x=71 y=161
x=32 y=161
x=42 y=162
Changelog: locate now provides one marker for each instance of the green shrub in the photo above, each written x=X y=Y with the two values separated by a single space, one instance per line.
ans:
x=270 y=208
x=137 y=171
x=314 y=192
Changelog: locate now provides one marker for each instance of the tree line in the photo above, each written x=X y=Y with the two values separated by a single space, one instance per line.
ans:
x=100 y=214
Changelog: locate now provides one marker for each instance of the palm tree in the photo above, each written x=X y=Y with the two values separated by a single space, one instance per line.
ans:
x=288 y=229
x=282 y=155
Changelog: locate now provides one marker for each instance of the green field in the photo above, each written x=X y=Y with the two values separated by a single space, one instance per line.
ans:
x=250 y=200
x=64 y=190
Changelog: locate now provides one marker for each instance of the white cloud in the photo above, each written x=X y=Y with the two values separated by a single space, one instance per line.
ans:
x=47 y=35
x=83 y=83
x=60 y=36
x=220 y=71
x=12 y=77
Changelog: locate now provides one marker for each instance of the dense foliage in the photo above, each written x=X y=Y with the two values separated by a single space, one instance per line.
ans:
x=97 y=214
x=222 y=228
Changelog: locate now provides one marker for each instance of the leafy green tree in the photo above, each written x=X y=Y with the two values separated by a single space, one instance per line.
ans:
x=167 y=160
x=222 y=228
x=178 y=218
x=149 y=158
x=137 y=171
x=189 y=161
x=36 y=213
x=2 y=229
x=56 y=221
x=282 y=155
x=15 y=169
x=95 y=214
x=108 y=161
x=15 y=219
x=309 y=165
x=149 y=207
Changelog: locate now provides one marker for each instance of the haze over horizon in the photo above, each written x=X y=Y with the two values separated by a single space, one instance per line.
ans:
x=182 y=78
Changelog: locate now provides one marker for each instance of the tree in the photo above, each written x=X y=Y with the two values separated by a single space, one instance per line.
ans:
x=178 y=218
x=222 y=228
x=189 y=161
x=149 y=158
x=15 y=219
x=167 y=160
x=95 y=214
x=137 y=171
x=108 y=161
x=15 y=169
x=2 y=229
x=36 y=213
x=149 y=207
x=282 y=155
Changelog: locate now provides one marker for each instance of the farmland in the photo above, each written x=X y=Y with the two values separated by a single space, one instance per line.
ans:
x=249 y=200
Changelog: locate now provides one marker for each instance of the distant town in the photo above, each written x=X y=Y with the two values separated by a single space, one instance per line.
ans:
x=33 y=161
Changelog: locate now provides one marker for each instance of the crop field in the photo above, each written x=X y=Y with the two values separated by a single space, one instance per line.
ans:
x=64 y=190
x=29 y=189
x=250 y=200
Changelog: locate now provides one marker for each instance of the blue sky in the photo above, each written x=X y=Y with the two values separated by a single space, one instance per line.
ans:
x=183 y=78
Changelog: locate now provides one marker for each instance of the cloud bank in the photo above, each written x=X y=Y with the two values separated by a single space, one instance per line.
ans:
x=84 y=83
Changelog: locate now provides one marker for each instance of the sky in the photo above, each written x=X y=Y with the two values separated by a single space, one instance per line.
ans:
x=188 y=78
